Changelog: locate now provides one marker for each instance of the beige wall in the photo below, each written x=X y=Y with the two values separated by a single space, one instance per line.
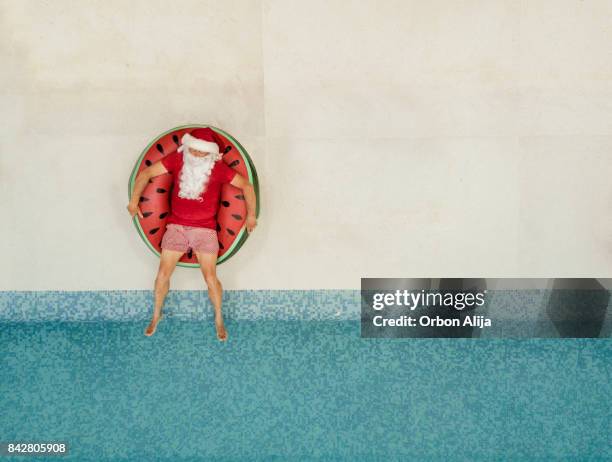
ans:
x=392 y=138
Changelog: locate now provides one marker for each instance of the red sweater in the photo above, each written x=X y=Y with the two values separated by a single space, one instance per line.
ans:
x=191 y=212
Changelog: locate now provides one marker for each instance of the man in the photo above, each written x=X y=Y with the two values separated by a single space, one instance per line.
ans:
x=198 y=173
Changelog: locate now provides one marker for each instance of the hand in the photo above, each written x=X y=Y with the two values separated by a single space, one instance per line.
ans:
x=134 y=209
x=251 y=222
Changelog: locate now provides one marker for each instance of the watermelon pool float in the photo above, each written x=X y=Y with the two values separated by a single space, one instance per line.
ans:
x=155 y=199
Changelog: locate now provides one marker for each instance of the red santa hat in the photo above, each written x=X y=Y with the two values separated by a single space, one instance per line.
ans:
x=202 y=139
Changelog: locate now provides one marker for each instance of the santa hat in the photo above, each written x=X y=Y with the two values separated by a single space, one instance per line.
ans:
x=202 y=139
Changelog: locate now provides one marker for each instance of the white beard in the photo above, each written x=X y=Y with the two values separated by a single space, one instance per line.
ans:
x=195 y=174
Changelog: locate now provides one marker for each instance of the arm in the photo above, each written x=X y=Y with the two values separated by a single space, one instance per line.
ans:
x=251 y=200
x=142 y=179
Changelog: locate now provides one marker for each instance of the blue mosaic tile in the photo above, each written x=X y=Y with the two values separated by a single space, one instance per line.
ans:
x=517 y=313
x=185 y=304
x=294 y=390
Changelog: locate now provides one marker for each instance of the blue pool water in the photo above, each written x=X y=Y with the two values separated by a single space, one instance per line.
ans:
x=296 y=390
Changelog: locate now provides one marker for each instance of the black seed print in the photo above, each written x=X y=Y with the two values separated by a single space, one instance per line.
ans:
x=236 y=162
x=218 y=227
x=161 y=190
x=151 y=181
x=160 y=148
x=225 y=203
x=154 y=230
x=147 y=214
x=163 y=215
x=239 y=197
x=236 y=216
x=148 y=163
x=144 y=199
x=221 y=245
x=227 y=149
x=231 y=233
x=190 y=253
x=175 y=139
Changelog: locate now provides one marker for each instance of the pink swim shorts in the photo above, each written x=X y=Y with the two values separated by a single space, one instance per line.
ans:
x=182 y=238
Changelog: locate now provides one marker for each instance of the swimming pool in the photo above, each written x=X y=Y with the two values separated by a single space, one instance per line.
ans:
x=300 y=390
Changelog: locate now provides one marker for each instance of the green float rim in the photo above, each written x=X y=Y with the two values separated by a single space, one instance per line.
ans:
x=242 y=234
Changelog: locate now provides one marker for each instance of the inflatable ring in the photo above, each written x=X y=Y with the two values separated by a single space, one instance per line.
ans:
x=155 y=199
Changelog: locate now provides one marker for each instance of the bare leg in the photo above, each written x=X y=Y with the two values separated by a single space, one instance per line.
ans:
x=208 y=265
x=167 y=263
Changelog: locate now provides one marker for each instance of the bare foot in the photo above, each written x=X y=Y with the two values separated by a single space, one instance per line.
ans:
x=152 y=327
x=221 y=332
